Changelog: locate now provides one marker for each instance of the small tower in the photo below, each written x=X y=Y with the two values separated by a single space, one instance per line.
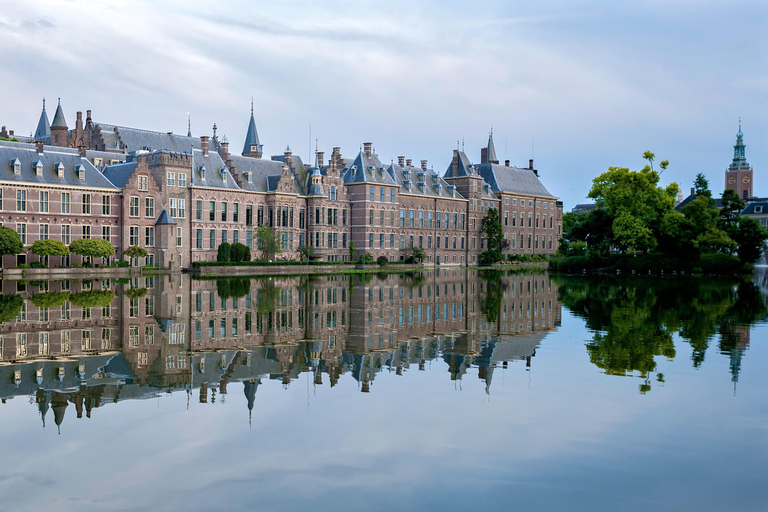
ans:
x=252 y=147
x=488 y=154
x=43 y=126
x=59 y=128
x=738 y=175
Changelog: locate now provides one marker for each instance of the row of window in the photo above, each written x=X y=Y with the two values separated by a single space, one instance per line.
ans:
x=539 y=204
x=282 y=216
x=452 y=221
x=512 y=220
x=44 y=231
x=43 y=342
x=23 y=197
x=382 y=194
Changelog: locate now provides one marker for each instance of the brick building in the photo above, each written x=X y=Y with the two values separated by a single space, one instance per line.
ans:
x=180 y=197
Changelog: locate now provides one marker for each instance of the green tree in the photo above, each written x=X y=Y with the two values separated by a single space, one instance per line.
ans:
x=268 y=242
x=701 y=186
x=634 y=203
x=10 y=242
x=10 y=305
x=306 y=251
x=750 y=238
x=239 y=252
x=92 y=247
x=224 y=252
x=351 y=250
x=92 y=299
x=49 y=248
x=49 y=299
x=135 y=251
x=732 y=205
x=491 y=226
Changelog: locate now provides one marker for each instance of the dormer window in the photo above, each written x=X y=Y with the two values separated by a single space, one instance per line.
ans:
x=420 y=175
x=406 y=174
x=80 y=172
x=758 y=209
x=59 y=170
x=16 y=166
x=39 y=168
x=247 y=175
x=223 y=174
x=201 y=170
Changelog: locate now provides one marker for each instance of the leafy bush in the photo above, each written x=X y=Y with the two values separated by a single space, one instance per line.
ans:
x=239 y=252
x=10 y=305
x=37 y=264
x=719 y=263
x=225 y=252
x=92 y=299
x=121 y=263
x=49 y=299
x=382 y=261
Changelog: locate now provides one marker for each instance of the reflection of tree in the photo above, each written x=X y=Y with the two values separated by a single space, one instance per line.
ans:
x=266 y=297
x=634 y=318
x=10 y=305
x=490 y=305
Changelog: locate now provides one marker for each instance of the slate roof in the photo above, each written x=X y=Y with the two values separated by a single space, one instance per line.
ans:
x=134 y=139
x=687 y=200
x=316 y=189
x=43 y=126
x=252 y=137
x=464 y=168
x=753 y=207
x=260 y=169
x=58 y=118
x=214 y=177
x=367 y=169
x=119 y=174
x=425 y=183
x=164 y=219
x=512 y=179
x=28 y=157
x=491 y=155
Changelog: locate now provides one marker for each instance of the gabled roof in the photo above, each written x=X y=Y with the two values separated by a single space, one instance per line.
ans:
x=58 y=118
x=491 y=155
x=425 y=183
x=512 y=179
x=43 y=126
x=464 y=167
x=214 y=177
x=27 y=156
x=367 y=168
x=119 y=174
x=259 y=170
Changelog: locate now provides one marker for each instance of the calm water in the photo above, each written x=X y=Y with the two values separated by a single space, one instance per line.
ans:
x=441 y=391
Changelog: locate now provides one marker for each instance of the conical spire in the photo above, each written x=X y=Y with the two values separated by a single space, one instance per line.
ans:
x=43 y=126
x=252 y=146
x=491 y=149
x=189 y=125
x=58 y=118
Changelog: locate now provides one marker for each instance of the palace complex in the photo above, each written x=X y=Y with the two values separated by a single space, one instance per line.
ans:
x=179 y=197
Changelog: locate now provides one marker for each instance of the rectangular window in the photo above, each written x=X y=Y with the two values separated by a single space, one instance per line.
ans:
x=199 y=239
x=106 y=205
x=65 y=202
x=198 y=210
x=224 y=212
x=249 y=239
x=370 y=241
x=21 y=200
x=149 y=236
x=21 y=229
x=391 y=241
x=212 y=236
x=133 y=207
x=344 y=217
x=182 y=208
x=44 y=231
x=149 y=207
x=178 y=237
x=171 y=179
x=212 y=211
x=106 y=232
x=182 y=179
x=381 y=194
x=370 y=216
x=133 y=237
x=421 y=218
x=223 y=236
x=381 y=241
x=402 y=241
x=438 y=220
x=235 y=236
x=429 y=220
x=260 y=217
x=143 y=183
x=370 y=193
x=412 y=217
x=66 y=234
x=87 y=204
x=235 y=212
x=43 y=202
x=391 y=195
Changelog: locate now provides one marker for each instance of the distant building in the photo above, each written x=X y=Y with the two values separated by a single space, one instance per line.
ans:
x=584 y=208
x=738 y=175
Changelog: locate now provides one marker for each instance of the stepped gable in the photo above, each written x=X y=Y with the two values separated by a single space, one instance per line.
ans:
x=27 y=157
x=134 y=139
x=216 y=173
x=415 y=180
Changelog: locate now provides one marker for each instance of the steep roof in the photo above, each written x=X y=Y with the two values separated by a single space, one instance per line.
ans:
x=164 y=219
x=28 y=157
x=415 y=180
x=119 y=174
x=512 y=179
x=252 y=137
x=216 y=173
x=133 y=139
x=259 y=170
x=367 y=168
x=491 y=150
x=43 y=126
x=58 y=118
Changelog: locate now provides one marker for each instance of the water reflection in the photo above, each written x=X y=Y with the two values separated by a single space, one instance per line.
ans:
x=635 y=319
x=91 y=343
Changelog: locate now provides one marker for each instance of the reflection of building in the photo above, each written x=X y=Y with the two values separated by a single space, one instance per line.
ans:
x=119 y=181
x=169 y=333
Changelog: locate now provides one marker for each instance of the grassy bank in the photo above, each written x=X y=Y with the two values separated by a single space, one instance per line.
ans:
x=709 y=264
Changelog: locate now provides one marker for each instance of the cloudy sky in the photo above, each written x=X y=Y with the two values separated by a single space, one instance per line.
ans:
x=583 y=85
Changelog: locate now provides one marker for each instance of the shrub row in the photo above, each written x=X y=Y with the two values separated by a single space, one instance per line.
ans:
x=649 y=263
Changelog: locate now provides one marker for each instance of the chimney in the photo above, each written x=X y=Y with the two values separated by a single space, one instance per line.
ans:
x=79 y=121
x=530 y=164
x=39 y=146
x=693 y=190
x=401 y=161
x=320 y=158
x=87 y=115
x=204 y=144
x=408 y=162
x=455 y=163
x=10 y=132
x=506 y=163
x=423 y=165
x=367 y=147
x=81 y=150
x=484 y=155
x=224 y=149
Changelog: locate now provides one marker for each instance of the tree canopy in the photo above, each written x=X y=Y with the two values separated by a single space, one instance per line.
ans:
x=267 y=242
x=49 y=248
x=10 y=242
x=135 y=251
x=93 y=247
x=491 y=227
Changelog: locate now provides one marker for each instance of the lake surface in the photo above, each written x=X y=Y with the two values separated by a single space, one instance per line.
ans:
x=450 y=390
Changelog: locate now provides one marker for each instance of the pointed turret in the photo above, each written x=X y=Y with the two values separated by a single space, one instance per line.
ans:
x=252 y=147
x=491 y=149
x=59 y=128
x=43 y=126
x=739 y=154
x=189 y=125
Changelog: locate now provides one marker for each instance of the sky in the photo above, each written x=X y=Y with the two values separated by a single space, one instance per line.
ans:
x=577 y=85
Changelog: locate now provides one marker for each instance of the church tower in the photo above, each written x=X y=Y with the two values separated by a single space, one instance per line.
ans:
x=738 y=175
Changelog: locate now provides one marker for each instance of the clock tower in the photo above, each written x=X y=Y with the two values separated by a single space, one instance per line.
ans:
x=738 y=175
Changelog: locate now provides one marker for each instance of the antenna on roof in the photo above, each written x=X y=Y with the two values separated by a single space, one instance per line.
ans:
x=251 y=104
